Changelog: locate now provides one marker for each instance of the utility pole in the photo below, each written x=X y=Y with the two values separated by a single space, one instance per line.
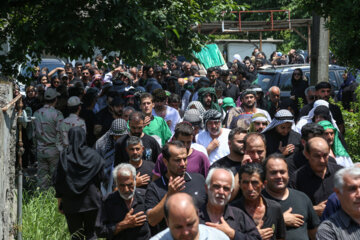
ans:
x=319 y=67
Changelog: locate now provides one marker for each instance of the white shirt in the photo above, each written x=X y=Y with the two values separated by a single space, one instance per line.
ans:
x=206 y=233
x=223 y=150
x=171 y=114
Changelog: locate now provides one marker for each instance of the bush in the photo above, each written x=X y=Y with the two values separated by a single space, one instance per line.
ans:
x=352 y=127
x=41 y=218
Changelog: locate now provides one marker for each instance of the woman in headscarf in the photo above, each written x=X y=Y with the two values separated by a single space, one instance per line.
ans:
x=105 y=146
x=337 y=149
x=299 y=83
x=77 y=183
x=347 y=90
x=279 y=135
x=321 y=113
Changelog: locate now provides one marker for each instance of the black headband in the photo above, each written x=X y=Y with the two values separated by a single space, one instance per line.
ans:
x=284 y=118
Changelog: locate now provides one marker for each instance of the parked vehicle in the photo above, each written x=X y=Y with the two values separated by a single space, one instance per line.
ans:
x=280 y=76
x=50 y=63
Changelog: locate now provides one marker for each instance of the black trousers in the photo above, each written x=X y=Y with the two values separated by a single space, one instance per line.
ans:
x=82 y=225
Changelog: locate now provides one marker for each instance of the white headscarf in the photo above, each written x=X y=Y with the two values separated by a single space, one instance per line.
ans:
x=309 y=118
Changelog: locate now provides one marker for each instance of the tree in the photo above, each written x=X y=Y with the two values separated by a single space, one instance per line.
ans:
x=343 y=21
x=138 y=29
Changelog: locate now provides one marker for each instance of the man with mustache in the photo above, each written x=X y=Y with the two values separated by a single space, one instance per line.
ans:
x=122 y=215
x=135 y=149
x=266 y=213
x=136 y=126
x=218 y=214
x=344 y=224
x=214 y=138
x=316 y=178
x=300 y=218
x=176 y=179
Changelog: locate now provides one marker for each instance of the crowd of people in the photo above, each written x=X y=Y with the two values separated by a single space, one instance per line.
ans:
x=179 y=152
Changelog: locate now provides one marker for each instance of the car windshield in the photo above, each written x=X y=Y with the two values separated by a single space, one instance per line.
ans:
x=264 y=78
x=26 y=70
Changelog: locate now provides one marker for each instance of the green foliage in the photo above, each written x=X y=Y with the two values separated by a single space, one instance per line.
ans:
x=344 y=24
x=352 y=127
x=134 y=28
x=41 y=218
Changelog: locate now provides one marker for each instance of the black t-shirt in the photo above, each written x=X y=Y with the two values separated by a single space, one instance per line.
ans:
x=226 y=162
x=151 y=151
x=114 y=210
x=335 y=111
x=146 y=168
x=243 y=225
x=273 y=140
x=273 y=217
x=194 y=186
x=232 y=91
x=317 y=189
x=300 y=204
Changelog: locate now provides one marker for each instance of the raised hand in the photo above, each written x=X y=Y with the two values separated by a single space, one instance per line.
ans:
x=223 y=226
x=176 y=185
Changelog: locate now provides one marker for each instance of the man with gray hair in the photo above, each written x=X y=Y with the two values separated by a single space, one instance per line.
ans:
x=218 y=214
x=345 y=223
x=122 y=214
x=135 y=149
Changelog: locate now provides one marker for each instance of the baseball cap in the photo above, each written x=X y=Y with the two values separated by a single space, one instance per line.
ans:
x=51 y=93
x=73 y=101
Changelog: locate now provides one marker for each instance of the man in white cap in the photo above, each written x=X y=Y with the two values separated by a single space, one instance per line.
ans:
x=46 y=120
x=73 y=120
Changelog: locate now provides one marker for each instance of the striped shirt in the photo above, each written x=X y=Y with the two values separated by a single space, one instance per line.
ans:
x=339 y=226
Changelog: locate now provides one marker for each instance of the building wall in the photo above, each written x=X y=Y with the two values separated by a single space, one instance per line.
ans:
x=244 y=49
x=8 y=201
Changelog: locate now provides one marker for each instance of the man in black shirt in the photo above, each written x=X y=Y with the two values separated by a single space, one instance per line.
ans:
x=308 y=131
x=122 y=215
x=218 y=214
x=266 y=213
x=151 y=146
x=323 y=91
x=106 y=116
x=316 y=178
x=236 y=146
x=175 y=180
x=213 y=75
x=135 y=149
x=231 y=90
x=300 y=218
x=234 y=160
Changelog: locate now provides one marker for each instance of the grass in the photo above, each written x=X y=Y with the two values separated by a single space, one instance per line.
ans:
x=41 y=218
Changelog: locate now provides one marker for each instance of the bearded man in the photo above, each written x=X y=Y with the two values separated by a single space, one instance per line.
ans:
x=122 y=215
x=218 y=214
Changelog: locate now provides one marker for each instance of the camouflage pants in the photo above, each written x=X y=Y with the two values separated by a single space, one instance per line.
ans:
x=46 y=168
